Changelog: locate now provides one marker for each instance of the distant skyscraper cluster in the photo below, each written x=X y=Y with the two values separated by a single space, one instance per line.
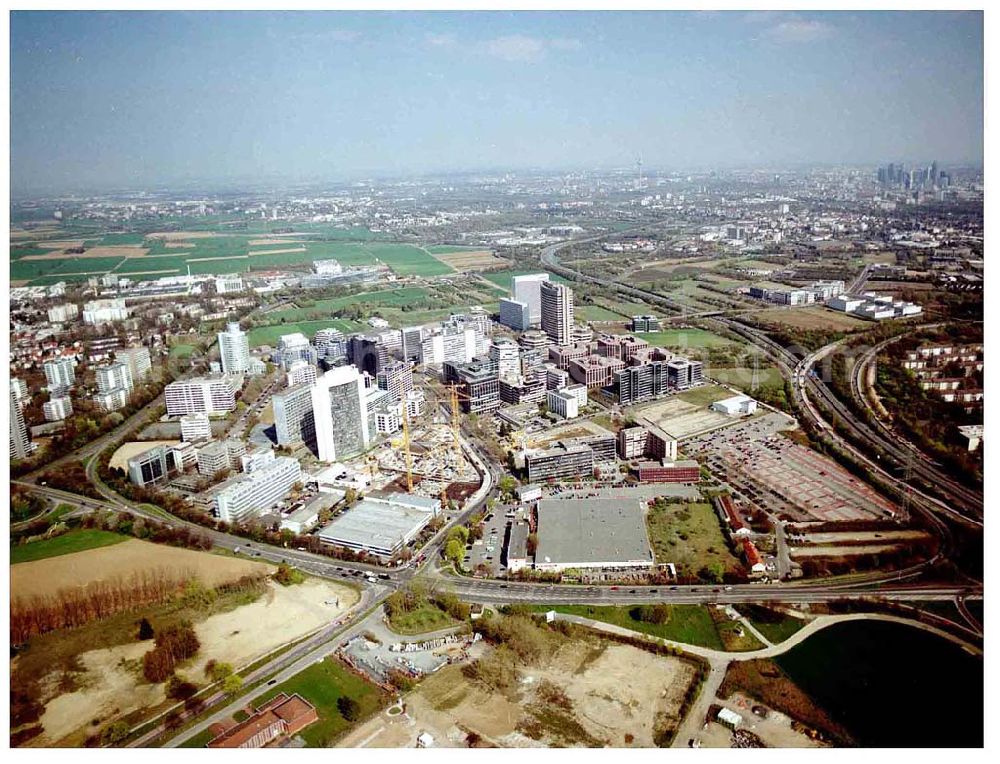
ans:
x=896 y=175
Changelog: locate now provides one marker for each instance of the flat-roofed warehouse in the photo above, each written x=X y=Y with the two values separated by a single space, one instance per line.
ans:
x=592 y=533
x=381 y=525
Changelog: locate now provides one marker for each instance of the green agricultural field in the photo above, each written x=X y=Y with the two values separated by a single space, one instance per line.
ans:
x=596 y=313
x=67 y=543
x=685 y=338
x=268 y=335
x=690 y=624
x=444 y=249
x=502 y=278
x=741 y=377
x=689 y=535
x=322 y=684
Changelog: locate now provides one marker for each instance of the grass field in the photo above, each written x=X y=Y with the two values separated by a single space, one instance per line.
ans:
x=704 y=395
x=67 y=543
x=268 y=335
x=502 y=278
x=813 y=318
x=322 y=684
x=691 y=624
x=198 y=741
x=773 y=624
x=741 y=377
x=596 y=313
x=381 y=297
x=689 y=536
x=685 y=338
x=428 y=617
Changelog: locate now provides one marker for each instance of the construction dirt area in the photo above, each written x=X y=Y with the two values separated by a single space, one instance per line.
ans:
x=109 y=683
x=771 y=728
x=128 y=559
x=761 y=465
x=435 y=464
x=119 y=459
x=591 y=693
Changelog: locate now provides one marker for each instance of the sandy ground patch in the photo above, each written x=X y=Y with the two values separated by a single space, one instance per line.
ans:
x=615 y=690
x=127 y=450
x=775 y=730
x=20 y=282
x=283 y=614
x=276 y=251
x=177 y=244
x=44 y=577
x=472 y=261
x=110 y=689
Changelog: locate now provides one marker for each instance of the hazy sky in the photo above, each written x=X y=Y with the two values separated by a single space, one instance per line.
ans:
x=137 y=99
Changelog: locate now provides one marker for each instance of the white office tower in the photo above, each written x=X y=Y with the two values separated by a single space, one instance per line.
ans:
x=293 y=415
x=195 y=427
x=20 y=443
x=295 y=347
x=415 y=403
x=339 y=414
x=255 y=492
x=138 y=361
x=412 y=336
x=396 y=378
x=57 y=409
x=301 y=373
x=506 y=356
x=515 y=314
x=59 y=374
x=557 y=312
x=527 y=289
x=234 y=348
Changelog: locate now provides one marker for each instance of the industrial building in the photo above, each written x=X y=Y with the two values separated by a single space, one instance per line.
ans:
x=577 y=533
x=735 y=406
x=381 y=525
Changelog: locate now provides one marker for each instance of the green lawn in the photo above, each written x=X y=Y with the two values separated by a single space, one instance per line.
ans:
x=773 y=624
x=502 y=278
x=685 y=338
x=198 y=741
x=691 y=624
x=689 y=536
x=67 y=543
x=596 y=313
x=428 y=617
x=268 y=335
x=322 y=684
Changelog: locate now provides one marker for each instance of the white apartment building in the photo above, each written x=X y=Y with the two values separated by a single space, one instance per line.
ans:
x=234 y=349
x=301 y=373
x=61 y=313
x=59 y=374
x=138 y=361
x=57 y=409
x=564 y=405
x=98 y=312
x=207 y=395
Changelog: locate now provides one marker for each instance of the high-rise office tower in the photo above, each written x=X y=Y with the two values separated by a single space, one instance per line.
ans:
x=527 y=289
x=557 y=312
x=341 y=420
x=234 y=347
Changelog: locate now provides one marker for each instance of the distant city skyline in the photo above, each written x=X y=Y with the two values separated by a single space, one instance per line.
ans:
x=135 y=99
